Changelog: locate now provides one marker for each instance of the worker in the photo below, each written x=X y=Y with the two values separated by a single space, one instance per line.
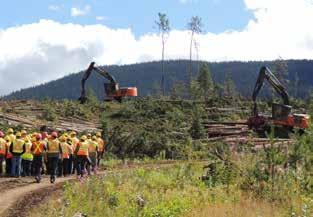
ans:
x=66 y=150
x=93 y=149
x=27 y=157
x=45 y=138
x=81 y=153
x=74 y=142
x=38 y=149
x=17 y=148
x=10 y=137
x=101 y=144
x=53 y=154
x=2 y=151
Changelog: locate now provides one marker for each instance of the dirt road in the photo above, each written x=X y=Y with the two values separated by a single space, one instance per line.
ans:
x=17 y=192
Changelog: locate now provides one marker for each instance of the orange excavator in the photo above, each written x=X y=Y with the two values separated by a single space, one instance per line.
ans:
x=112 y=89
x=283 y=121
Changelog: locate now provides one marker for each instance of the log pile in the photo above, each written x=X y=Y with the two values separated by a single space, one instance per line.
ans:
x=217 y=130
x=29 y=113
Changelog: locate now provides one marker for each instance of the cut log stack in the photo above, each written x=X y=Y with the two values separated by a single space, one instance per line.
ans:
x=29 y=113
x=235 y=133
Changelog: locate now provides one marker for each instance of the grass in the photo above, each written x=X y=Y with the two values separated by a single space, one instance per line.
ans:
x=151 y=192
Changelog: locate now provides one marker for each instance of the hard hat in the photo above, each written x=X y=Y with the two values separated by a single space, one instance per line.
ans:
x=83 y=138
x=65 y=135
x=94 y=137
x=88 y=135
x=1 y=134
x=18 y=134
x=44 y=135
x=7 y=139
x=23 y=132
x=63 y=138
x=54 y=134
x=10 y=130
x=98 y=134
x=38 y=136
x=73 y=133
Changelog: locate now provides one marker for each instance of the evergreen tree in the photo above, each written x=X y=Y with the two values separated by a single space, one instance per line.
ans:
x=197 y=130
x=229 y=88
x=205 y=81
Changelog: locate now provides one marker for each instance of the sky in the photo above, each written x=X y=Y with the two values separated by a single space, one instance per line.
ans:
x=42 y=40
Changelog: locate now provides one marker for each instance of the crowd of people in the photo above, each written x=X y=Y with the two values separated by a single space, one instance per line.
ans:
x=34 y=154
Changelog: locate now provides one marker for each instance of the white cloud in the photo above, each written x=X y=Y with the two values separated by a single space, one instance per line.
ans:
x=49 y=50
x=54 y=7
x=75 y=11
x=187 y=1
x=101 y=18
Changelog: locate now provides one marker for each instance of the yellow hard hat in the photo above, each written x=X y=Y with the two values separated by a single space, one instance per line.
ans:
x=73 y=133
x=83 y=138
x=65 y=135
x=23 y=132
x=63 y=138
x=7 y=139
x=10 y=130
x=18 y=134
x=94 y=137
x=88 y=135
x=98 y=134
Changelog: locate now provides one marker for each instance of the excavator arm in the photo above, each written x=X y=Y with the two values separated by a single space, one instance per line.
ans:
x=265 y=73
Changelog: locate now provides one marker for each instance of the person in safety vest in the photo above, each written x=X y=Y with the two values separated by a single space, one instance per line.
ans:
x=101 y=145
x=45 y=138
x=9 y=138
x=53 y=153
x=17 y=148
x=93 y=149
x=38 y=149
x=27 y=157
x=66 y=150
x=3 y=148
x=73 y=143
x=81 y=153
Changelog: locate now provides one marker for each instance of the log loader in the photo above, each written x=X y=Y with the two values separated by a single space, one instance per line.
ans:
x=112 y=89
x=283 y=121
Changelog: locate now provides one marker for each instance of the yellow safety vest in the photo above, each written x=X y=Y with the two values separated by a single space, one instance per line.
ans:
x=93 y=146
x=83 y=149
x=75 y=140
x=2 y=146
x=101 y=145
x=18 y=145
x=28 y=154
x=53 y=146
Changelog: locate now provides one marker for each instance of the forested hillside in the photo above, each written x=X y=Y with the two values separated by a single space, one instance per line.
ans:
x=147 y=77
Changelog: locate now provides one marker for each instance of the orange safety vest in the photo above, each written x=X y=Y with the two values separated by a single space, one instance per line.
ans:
x=2 y=146
x=38 y=148
x=18 y=145
x=65 y=150
x=53 y=146
x=83 y=149
x=93 y=146
x=100 y=145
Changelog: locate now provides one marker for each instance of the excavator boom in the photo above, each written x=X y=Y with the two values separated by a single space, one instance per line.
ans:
x=265 y=73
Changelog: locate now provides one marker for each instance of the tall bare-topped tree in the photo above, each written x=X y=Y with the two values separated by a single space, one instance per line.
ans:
x=195 y=27
x=164 y=29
